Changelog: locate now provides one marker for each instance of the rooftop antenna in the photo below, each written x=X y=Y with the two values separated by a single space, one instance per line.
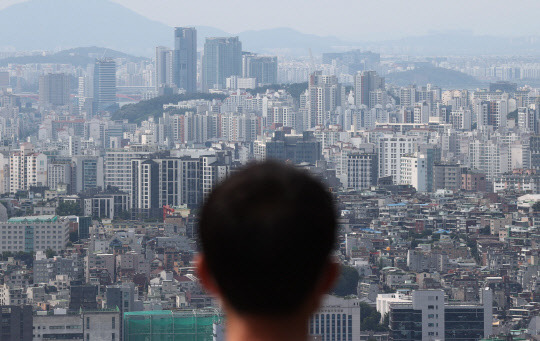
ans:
x=104 y=52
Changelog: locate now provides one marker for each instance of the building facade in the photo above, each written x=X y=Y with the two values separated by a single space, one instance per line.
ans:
x=222 y=58
x=34 y=233
x=185 y=59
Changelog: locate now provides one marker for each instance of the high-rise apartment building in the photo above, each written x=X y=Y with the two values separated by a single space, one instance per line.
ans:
x=490 y=157
x=222 y=58
x=421 y=112
x=357 y=168
x=185 y=59
x=175 y=181
x=164 y=67
x=144 y=186
x=58 y=172
x=27 y=169
x=54 y=89
x=408 y=96
x=87 y=173
x=262 y=68
x=446 y=176
x=414 y=171
x=295 y=148
x=104 y=85
x=325 y=95
x=366 y=82
x=118 y=167
x=491 y=113
x=391 y=149
x=244 y=127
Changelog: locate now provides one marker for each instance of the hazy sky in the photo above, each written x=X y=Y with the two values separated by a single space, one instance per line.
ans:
x=351 y=19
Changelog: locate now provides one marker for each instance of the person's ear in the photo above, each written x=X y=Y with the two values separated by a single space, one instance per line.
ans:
x=204 y=275
x=325 y=283
x=330 y=276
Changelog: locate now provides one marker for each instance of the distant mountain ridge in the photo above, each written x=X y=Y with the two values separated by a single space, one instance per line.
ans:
x=80 y=56
x=74 y=23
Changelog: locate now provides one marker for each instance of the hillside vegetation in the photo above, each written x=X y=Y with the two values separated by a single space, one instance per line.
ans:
x=432 y=75
x=138 y=112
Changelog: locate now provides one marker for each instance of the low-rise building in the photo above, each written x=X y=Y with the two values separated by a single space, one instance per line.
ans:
x=34 y=233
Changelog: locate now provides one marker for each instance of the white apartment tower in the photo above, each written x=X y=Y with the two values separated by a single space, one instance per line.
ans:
x=414 y=171
x=27 y=169
x=391 y=150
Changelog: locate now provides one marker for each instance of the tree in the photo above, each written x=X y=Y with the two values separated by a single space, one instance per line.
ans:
x=142 y=110
x=486 y=230
x=66 y=208
x=370 y=319
x=347 y=282
x=50 y=253
x=513 y=115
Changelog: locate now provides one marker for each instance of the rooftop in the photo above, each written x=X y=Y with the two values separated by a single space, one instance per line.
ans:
x=34 y=219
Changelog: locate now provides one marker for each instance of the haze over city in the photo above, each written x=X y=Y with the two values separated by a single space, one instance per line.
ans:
x=420 y=120
x=348 y=20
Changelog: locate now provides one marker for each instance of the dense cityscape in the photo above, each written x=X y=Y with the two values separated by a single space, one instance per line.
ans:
x=106 y=158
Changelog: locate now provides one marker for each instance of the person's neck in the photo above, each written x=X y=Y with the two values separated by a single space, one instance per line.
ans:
x=242 y=328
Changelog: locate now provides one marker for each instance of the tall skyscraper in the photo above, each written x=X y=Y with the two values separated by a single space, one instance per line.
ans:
x=164 y=67
x=104 y=84
x=222 y=58
x=185 y=58
x=262 y=68
x=364 y=83
x=54 y=89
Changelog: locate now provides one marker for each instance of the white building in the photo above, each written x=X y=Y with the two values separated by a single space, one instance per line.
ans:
x=235 y=82
x=461 y=119
x=10 y=295
x=27 y=169
x=421 y=112
x=492 y=158
x=414 y=171
x=425 y=315
x=336 y=319
x=391 y=149
x=61 y=325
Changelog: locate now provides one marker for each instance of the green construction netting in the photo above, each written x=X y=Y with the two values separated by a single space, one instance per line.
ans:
x=169 y=326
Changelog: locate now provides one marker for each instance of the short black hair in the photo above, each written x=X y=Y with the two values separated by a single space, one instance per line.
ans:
x=267 y=233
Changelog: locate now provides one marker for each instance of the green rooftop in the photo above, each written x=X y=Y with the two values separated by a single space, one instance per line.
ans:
x=34 y=219
x=190 y=325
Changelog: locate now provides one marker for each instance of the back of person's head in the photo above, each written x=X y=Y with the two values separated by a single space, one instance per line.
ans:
x=266 y=235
